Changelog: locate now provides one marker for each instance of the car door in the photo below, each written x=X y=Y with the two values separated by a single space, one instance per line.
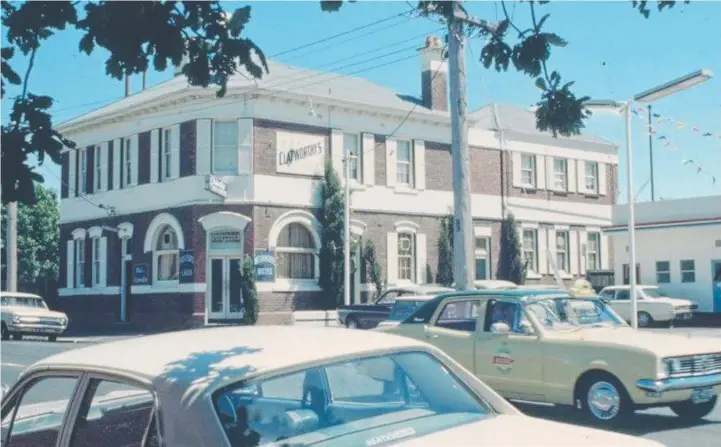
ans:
x=510 y=362
x=621 y=303
x=380 y=310
x=452 y=329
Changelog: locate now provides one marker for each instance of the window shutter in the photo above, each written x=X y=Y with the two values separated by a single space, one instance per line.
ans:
x=175 y=151
x=551 y=250
x=602 y=180
x=574 y=251
x=154 y=155
x=421 y=259
x=368 y=156
x=391 y=157
x=117 y=171
x=571 y=175
x=583 y=251
x=72 y=173
x=203 y=145
x=419 y=165
x=337 y=153
x=605 y=261
x=103 y=261
x=550 y=183
x=516 y=164
x=542 y=236
x=134 y=159
x=105 y=163
x=88 y=265
x=581 y=177
x=541 y=174
x=245 y=146
x=392 y=258
x=70 y=264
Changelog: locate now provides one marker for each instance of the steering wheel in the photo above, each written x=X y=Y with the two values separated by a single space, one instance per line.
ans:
x=227 y=409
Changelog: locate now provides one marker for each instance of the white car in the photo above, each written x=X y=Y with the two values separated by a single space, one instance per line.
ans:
x=270 y=385
x=653 y=304
x=28 y=314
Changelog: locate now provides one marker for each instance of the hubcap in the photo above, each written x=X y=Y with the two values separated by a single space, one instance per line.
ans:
x=352 y=324
x=604 y=401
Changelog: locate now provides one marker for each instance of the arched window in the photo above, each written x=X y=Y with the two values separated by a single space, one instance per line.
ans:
x=166 y=254
x=295 y=253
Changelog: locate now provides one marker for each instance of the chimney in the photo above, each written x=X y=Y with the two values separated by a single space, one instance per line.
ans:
x=144 y=76
x=127 y=85
x=434 y=75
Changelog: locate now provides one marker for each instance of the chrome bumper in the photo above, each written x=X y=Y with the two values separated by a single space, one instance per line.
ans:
x=36 y=328
x=679 y=383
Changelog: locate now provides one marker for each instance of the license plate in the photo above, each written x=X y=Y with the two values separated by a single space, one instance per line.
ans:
x=701 y=395
x=686 y=316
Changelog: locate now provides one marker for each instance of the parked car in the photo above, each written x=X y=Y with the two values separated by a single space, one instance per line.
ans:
x=653 y=304
x=28 y=314
x=552 y=347
x=367 y=316
x=403 y=307
x=251 y=386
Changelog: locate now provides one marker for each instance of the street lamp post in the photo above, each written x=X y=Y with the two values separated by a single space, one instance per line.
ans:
x=658 y=92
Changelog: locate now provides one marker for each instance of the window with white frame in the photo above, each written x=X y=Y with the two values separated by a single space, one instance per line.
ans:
x=225 y=147
x=83 y=178
x=528 y=170
x=560 y=174
x=166 y=254
x=96 y=261
x=688 y=270
x=295 y=253
x=591 y=177
x=127 y=163
x=404 y=164
x=482 y=257
x=406 y=257
x=167 y=157
x=663 y=272
x=593 y=251
x=351 y=147
x=562 y=253
x=80 y=263
x=98 y=168
x=530 y=249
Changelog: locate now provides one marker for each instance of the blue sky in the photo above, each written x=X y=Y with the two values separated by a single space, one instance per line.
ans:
x=613 y=52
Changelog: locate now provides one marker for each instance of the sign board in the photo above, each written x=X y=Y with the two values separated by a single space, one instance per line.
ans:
x=226 y=240
x=141 y=274
x=216 y=185
x=299 y=153
x=187 y=267
x=264 y=266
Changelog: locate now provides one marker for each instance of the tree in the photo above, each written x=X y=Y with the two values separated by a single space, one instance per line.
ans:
x=248 y=290
x=38 y=239
x=510 y=264
x=331 y=252
x=444 y=275
x=373 y=268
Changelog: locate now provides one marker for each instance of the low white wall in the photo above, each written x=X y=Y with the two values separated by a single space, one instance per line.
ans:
x=316 y=318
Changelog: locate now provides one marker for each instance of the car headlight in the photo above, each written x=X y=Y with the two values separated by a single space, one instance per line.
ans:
x=16 y=319
x=671 y=366
x=63 y=321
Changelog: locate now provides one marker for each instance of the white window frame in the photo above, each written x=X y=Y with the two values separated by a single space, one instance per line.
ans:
x=214 y=149
x=166 y=150
x=596 y=265
x=560 y=176
x=405 y=163
x=354 y=154
x=98 y=172
x=80 y=263
x=83 y=178
x=691 y=271
x=299 y=250
x=663 y=276
x=402 y=255
x=528 y=171
x=591 y=177
x=531 y=252
x=483 y=253
x=96 y=267
x=158 y=253
x=565 y=252
x=127 y=174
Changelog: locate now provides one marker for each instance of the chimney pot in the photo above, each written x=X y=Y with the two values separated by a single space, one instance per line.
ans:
x=434 y=75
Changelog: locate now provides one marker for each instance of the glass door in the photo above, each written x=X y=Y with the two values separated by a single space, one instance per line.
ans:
x=224 y=295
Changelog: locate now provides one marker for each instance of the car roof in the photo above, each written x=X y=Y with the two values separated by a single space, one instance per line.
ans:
x=415 y=297
x=5 y=294
x=420 y=287
x=626 y=286
x=510 y=293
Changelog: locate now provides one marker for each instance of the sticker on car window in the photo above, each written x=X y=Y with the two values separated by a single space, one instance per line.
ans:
x=390 y=437
x=503 y=359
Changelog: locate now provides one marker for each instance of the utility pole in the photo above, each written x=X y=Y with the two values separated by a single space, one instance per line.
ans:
x=12 y=248
x=650 y=152
x=346 y=229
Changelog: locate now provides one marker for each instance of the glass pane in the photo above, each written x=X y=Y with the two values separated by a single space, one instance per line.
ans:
x=235 y=299
x=216 y=285
x=663 y=266
x=226 y=134
x=404 y=151
x=168 y=266
x=295 y=265
x=481 y=268
x=527 y=162
x=37 y=425
x=687 y=265
x=117 y=415
x=295 y=235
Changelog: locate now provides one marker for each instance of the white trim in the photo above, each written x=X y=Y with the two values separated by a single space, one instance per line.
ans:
x=125 y=230
x=95 y=232
x=168 y=286
x=357 y=227
x=593 y=229
x=289 y=285
x=406 y=226
x=224 y=219
x=561 y=227
x=482 y=231
x=79 y=233
x=70 y=292
x=158 y=222
x=530 y=225
x=295 y=216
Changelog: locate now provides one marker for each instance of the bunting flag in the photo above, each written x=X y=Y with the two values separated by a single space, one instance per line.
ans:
x=660 y=119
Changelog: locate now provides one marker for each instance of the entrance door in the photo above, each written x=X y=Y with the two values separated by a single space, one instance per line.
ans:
x=224 y=296
x=716 y=265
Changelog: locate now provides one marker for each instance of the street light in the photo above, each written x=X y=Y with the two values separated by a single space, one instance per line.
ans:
x=658 y=92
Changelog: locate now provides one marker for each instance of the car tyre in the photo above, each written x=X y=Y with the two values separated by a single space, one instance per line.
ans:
x=52 y=338
x=351 y=323
x=689 y=411
x=5 y=332
x=17 y=336
x=645 y=319
x=604 y=400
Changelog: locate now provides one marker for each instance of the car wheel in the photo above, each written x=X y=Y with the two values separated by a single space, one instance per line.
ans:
x=351 y=323
x=604 y=400
x=644 y=319
x=690 y=411
x=5 y=332
x=17 y=336
x=52 y=338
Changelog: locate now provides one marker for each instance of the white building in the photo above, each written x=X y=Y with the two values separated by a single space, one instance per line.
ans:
x=678 y=246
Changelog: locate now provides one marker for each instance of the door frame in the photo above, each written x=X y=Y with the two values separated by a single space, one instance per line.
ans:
x=225 y=314
x=715 y=305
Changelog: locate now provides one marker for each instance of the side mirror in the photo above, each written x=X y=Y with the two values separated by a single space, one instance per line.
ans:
x=500 y=328
x=525 y=327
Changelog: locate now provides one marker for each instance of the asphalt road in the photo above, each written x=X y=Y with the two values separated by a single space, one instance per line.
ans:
x=658 y=424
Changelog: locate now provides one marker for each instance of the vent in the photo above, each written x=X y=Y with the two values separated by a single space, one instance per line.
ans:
x=718 y=243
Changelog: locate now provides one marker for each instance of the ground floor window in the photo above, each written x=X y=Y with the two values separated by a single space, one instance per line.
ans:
x=406 y=257
x=166 y=255
x=688 y=270
x=482 y=257
x=295 y=253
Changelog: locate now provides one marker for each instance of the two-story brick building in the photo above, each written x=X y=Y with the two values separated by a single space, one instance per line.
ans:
x=136 y=199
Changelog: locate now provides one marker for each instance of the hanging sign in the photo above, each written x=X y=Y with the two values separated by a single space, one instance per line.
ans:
x=187 y=267
x=300 y=153
x=264 y=266
x=141 y=274
x=226 y=240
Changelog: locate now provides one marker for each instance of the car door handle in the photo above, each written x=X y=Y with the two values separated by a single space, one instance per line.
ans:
x=429 y=336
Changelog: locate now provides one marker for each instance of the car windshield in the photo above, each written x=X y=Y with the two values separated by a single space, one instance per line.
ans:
x=355 y=402
x=653 y=292
x=23 y=301
x=404 y=308
x=559 y=314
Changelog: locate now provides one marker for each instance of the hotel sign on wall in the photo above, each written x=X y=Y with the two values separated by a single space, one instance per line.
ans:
x=298 y=153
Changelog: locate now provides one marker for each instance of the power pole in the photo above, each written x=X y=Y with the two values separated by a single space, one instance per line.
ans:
x=12 y=248
x=650 y=152
x=346 y=229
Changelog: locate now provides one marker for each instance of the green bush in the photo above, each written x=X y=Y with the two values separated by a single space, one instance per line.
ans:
x=444 y=274
x=331 y=251
x=373 y=268
x=510 y=263
x=248 y=290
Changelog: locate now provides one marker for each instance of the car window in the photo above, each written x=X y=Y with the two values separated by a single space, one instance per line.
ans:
x=608 y=294
x=459 y=315
x=113 y=414
x=623 y=294
x=342 y=400
x=502 y=312
x=38 y=417
x=285 y=387
x=388 y=297
x=403 y=309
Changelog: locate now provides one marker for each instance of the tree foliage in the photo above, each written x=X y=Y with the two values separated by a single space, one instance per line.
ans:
x=373 y=268
x=249 y=291
x=444 y=274
x=510 y=262
x=38 y=239
x=331 y=251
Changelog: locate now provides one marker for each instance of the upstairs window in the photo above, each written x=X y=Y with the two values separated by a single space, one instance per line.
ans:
x=560 y=174
x=404 y=164
x=225 y=147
